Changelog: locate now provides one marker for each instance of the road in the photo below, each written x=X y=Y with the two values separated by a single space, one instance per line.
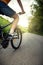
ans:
x=30 y=52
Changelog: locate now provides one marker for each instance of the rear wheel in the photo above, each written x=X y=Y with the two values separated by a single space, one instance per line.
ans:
x=17 y=39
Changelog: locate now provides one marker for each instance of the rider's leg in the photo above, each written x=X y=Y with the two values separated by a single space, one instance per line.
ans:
x=6 y=10
x=14 y=24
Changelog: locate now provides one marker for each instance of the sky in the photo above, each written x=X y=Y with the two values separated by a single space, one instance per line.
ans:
x=23 y=19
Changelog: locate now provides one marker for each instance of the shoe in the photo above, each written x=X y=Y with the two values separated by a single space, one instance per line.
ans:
x=10 y=36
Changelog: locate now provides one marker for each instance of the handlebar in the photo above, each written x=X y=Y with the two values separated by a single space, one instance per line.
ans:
x=20 y=13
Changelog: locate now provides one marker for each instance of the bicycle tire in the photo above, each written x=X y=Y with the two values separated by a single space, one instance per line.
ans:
x=19 y=33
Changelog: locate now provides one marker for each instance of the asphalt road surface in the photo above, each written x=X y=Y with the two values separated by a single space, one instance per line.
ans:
x=30 y=52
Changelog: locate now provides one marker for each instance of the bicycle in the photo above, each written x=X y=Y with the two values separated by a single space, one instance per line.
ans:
x=15 y=40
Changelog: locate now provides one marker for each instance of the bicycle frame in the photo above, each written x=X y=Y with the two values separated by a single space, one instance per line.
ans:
x=2 y=27
x=6 y=37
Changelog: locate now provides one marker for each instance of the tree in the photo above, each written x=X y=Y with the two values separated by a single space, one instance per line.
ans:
x=36 y=24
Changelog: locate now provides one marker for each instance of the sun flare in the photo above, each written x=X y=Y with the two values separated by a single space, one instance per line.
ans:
x=23 y=21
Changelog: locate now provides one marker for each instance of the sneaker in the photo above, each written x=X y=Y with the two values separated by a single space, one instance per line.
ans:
x=10 y=36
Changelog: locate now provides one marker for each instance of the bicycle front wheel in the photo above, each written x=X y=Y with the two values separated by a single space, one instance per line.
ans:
x=17 y=39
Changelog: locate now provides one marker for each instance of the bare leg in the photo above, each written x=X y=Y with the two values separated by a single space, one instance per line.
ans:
x=14 y=24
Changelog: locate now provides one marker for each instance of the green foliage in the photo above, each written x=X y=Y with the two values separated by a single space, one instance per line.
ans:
x=36 y=24
x=23 y=29
x=39 y=2
x=4 y=22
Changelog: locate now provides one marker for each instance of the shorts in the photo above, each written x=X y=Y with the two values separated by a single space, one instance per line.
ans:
x=6 y=10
